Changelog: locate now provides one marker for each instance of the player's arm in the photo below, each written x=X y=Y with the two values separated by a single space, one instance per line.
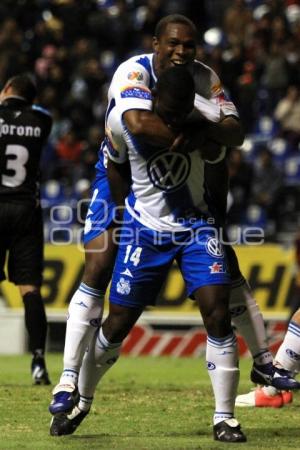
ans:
x=118 y=167
x=227 y=132
x=130 y=88
x=119 y=178
x=217 y=116
x=149 y=127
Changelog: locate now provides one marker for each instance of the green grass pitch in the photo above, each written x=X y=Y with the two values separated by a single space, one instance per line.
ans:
x=142 y=404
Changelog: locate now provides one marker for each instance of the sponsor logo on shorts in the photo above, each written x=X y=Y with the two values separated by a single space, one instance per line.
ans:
x=123 y=286
x=216 y=268
x=127 y=272
x=214 y=247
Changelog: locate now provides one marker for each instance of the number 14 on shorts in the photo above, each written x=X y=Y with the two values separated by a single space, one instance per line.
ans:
x=133 y=255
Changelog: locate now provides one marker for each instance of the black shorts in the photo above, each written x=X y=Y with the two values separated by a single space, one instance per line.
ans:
x=22 y=241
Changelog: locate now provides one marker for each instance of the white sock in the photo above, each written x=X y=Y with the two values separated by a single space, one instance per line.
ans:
x=84 y=315
x=288 y=354
x=85 y=403
x=222 y=364
x=99 y=358
x=248 y=319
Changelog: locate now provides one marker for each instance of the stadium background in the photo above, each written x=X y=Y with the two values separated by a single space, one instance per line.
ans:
x=73 y=48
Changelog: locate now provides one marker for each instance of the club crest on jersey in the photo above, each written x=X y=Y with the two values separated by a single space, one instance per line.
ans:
x=123 y=286
x=169 y=170
x=216 y=268
x=135 y=76
x=214 y=247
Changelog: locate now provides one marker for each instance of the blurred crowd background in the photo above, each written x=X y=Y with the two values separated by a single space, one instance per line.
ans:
x=73 y=47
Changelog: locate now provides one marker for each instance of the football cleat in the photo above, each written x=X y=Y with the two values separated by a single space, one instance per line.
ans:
x=39 y=372
x=229 y=430
x=270 y=375
x=259 y=398
x=63 y=424
x=65 y=397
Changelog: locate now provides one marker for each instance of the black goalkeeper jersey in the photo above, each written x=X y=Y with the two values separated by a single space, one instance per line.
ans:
x=24 y=129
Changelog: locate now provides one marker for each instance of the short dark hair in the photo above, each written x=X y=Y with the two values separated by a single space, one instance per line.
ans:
x=173 y=18
x=177 y=82
x=24 y=86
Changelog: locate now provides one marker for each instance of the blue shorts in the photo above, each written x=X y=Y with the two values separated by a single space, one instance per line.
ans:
x=145 y=257
x=101 y=209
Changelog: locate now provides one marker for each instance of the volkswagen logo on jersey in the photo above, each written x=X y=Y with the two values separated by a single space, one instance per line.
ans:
x=214 y=248
x=169 y=170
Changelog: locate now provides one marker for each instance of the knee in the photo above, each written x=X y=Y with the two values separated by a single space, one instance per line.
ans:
x=119 y=322
x=97 y=276
x=217 y=321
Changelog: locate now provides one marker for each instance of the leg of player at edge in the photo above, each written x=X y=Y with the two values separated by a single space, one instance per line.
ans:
x=84 y=317
x=247 y=318
x=245 y=313
x=287 y=357
x=36 y=325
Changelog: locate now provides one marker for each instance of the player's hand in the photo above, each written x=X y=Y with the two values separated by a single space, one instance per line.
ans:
x=195 y=137
x=210 y=150
x=178 y=143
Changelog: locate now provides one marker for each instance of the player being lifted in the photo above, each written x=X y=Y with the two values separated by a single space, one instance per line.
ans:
x=24 y=130
x=169 y=219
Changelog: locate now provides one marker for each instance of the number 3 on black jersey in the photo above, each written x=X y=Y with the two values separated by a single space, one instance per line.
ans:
x=16 y=158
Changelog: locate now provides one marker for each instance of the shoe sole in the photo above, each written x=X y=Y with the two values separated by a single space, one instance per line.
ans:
x=56 y=418
x=259 y=379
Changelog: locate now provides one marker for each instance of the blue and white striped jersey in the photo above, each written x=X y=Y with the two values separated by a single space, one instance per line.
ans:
x=167 y=192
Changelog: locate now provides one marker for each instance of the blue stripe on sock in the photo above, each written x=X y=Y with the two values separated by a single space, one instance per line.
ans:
x=105 y=344
x=262 y=352
x=227 y=341
x=86 y=398
x=70 y=370
x=294 y=328
x=91 y=291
